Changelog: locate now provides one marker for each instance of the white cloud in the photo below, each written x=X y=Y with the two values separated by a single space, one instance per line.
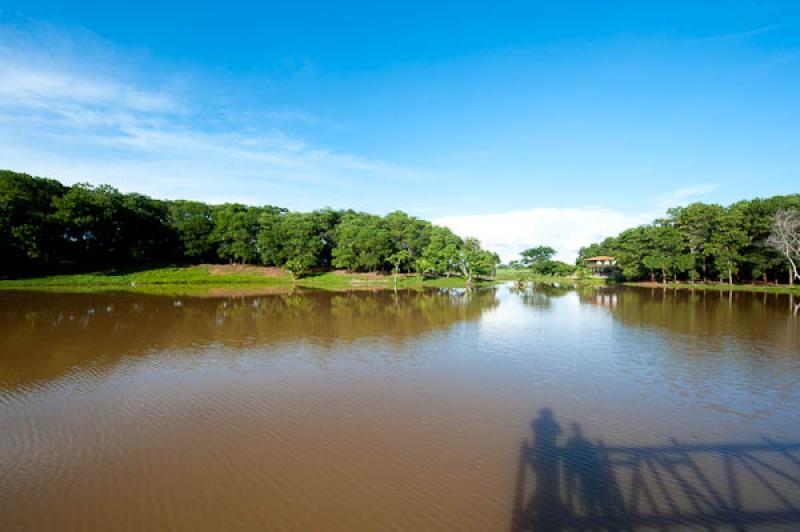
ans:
x=565 y=229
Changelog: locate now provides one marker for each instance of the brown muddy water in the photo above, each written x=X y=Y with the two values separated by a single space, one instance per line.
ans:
x=495 y=409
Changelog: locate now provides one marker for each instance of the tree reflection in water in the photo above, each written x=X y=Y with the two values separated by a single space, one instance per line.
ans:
x=585 y=485
x=45 y=336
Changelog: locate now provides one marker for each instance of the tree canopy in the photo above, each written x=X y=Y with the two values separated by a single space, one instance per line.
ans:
x=737 y=243
x=537 y=257
x=46 y=226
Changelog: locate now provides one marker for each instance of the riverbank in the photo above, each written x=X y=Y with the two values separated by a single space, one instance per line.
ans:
x=529 y=276
x=721 y=287
x=205 y=278
x=224 y=275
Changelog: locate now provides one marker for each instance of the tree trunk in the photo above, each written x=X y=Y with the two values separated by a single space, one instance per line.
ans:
x=730 y=277
x=793 y=271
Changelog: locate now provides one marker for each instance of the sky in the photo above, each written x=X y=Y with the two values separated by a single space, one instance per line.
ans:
x=520 y=123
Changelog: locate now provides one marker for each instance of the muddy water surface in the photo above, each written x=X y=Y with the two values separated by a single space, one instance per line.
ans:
x=497 y=409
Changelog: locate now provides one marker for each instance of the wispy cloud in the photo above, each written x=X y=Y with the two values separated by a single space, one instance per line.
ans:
x=680 y=196
x=63 y=119
x=747 y=34
x=565 y=229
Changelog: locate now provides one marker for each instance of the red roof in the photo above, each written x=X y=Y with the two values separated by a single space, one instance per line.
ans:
x=601 y=257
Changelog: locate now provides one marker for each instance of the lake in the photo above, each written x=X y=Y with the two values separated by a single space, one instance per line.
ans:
x=545 y=408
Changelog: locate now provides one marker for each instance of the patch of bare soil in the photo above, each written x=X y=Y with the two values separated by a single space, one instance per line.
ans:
x=244 y=269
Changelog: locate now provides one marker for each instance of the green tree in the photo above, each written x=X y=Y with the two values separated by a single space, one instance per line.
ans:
x=302 y=244
x=93 y=224
x=363 y=242
x=29 y=234
x=556 y=267
x=408 y=234
x=236 y=232
x=441 y=255
x=668 y=251
x=397 y=259
x=535 y=257
x=193 y=224
x=473 y=260
x=145 y=235
x=726 y=243
x=696 y=223
x=271 y=238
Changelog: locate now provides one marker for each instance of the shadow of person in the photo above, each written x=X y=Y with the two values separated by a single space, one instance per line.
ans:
x=574 y=484
x=586 y=485
x=546 y=509
x=590 y=485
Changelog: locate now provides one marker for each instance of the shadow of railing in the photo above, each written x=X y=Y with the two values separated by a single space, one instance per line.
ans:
x=586 y=485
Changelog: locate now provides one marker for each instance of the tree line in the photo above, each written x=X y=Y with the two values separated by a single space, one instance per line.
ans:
x=539 y=260
x=46 y=226
x=751 y=240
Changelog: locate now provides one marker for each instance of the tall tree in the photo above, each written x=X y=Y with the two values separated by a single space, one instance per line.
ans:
x=785 y=238
x=93 y=224
x=302 y=243
x=726 y=243
x=440 y=256
x=535 y=257
x=29 y=234
x=193 y=224
x=696 y=223
x=271 y=239
x=236 y=232
x=363 y=242
x=473 y=260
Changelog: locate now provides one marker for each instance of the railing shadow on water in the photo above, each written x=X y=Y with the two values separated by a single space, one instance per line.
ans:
x=586 y=485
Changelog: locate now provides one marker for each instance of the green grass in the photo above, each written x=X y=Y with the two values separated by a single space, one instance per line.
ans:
x=587 y=281
x=152 y=276
x=723 y=287
x=529 y=275
x=199 y=279
x=178 y=289
x=507 y=274
x=355 y=280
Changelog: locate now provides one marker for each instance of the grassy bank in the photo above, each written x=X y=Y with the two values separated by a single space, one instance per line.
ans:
x=153 y=276
x=723 y=287
x=528 y=275
x=238 y=277
x=212 y=278
x=560 y=279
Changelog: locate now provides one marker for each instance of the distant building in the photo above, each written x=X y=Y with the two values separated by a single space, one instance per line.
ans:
x=601 y=266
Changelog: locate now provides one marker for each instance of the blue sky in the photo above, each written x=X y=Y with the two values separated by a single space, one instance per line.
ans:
x=518 y=122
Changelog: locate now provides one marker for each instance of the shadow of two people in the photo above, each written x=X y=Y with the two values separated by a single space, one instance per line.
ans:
x=578 y=485
x=573 y=479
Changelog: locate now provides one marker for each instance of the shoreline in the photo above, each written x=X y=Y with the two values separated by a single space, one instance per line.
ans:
x=207 y=277
x=720 y=287
x=204 y=278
